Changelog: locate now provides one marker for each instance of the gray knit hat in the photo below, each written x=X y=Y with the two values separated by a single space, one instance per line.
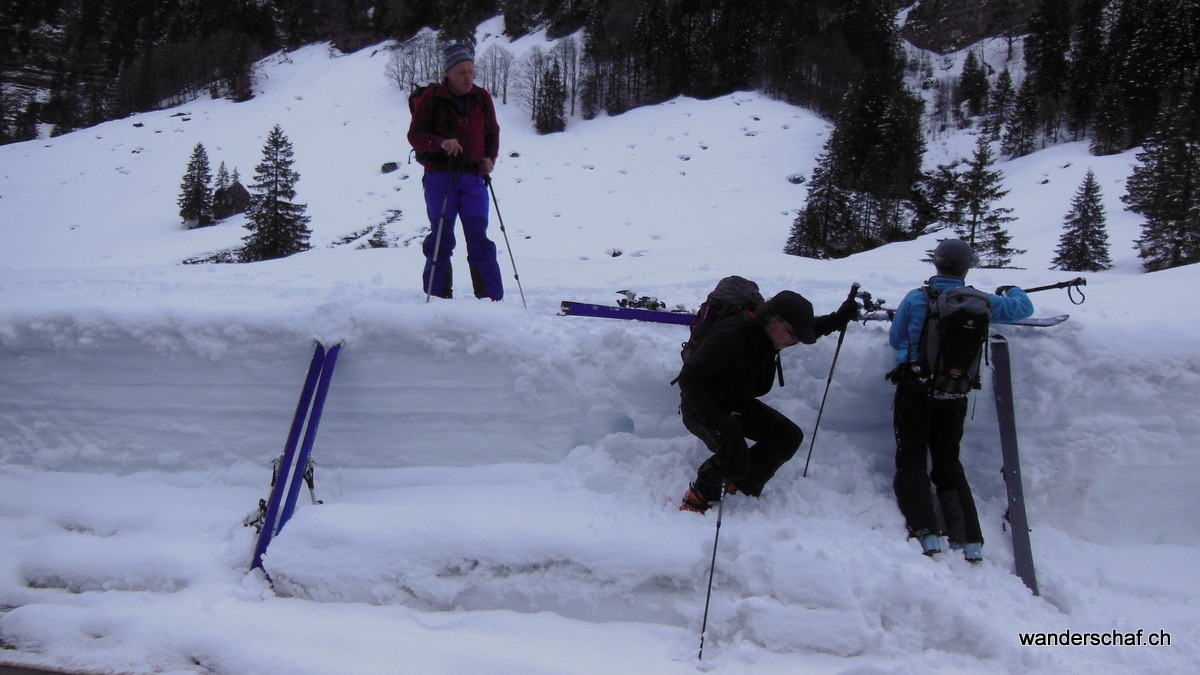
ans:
x=953 y=257
x=455 y=54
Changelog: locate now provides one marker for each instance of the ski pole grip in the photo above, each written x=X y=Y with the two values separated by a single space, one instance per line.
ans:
x=1077 y=281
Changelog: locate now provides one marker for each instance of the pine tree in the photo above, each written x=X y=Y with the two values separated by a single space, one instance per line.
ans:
x=548 y=118
x=1165 y=189
x=820 y=229
x=195 y=199
x=1084 y=71
x=932 y=199
x=982 y=223
x=222 y=177
x=1083 y=245
x=1000 y=106
x=1020 y=130
x=973 y=85
x=1110 y=126
x=277 y=226
x=1046 y=49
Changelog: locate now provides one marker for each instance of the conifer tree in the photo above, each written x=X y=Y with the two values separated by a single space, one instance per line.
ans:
x=222 y=177
x=821 y=227
x=933 y=199
x=278 y=227
x=1110 y=125
x=1085 y=68
x=196 y=197
x=982 y=223
x=548 y=117
x=1083 y=245
x=1020 y=130
x=973 y=85
x=1165 y=189
x=1000 y=105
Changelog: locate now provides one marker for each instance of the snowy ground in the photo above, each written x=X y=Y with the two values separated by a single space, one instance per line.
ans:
x=500 y=483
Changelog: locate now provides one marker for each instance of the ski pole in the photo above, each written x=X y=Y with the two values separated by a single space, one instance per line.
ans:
x=488 y=179
x=451 y=182
x=712 y=566
x=1072 y=287
x=841 y=336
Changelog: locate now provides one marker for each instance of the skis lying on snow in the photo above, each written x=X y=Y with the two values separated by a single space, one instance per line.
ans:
x=570 y=308
x=1035 y=321
x=683 y=317
x=294 y=466
x=1017 y=521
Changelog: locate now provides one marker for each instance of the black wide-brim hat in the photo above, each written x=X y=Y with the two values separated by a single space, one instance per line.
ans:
x=793 y=308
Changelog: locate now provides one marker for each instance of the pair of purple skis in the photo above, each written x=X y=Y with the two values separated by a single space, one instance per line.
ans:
x=294 y=462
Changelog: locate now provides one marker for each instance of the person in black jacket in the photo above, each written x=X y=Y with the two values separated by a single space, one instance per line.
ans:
x=719 y=389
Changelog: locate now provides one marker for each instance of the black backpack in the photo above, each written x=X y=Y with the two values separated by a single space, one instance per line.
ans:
x=413 y=95
x=733 y=295
x=952 y=340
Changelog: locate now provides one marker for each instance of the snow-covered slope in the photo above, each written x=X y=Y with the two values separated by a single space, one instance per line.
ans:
x=500 y=483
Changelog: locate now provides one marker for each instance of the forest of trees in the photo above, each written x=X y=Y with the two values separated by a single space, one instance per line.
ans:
x=1117 y=73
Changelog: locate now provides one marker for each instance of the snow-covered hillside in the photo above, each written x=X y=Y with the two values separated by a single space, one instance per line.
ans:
x=500 y=484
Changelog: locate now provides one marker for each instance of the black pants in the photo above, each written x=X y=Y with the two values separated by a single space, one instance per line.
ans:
x=776 y=440
x=928 y=432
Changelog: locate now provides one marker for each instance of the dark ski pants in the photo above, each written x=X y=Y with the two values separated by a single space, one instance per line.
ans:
x=928 y=432
x=465 y=198
x=776 y=440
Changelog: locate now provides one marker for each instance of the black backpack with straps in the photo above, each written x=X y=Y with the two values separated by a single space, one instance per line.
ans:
x=415 y=93
x=952 y=341
x=733 y=295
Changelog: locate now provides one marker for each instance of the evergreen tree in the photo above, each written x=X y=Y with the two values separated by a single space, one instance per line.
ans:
x=1110 y=126
x=195 y=198
x=277 y=226
x=822 y=227
x=1165 y=189
x=982 y=223
x=222 y=177
x=1000 y=106
x=933 y=199
x=548 y=118
x=1020 y=130
x=1046 y=49
x=1083 y=245
x=1085 y=68
x=973 y=85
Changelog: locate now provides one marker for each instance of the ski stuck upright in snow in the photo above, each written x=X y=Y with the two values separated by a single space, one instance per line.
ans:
x=1018 y=522
x=293 y=467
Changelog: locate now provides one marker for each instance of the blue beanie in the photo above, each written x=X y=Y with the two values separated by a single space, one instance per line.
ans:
x=455 y=54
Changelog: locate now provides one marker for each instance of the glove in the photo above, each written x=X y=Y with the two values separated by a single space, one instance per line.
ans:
x=735 y=456
x=1002 y=290
x=847 y=312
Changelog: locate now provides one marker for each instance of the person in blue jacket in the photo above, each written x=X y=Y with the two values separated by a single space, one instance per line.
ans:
x=929 y=427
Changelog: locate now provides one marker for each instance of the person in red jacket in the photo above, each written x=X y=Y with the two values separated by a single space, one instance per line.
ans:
x=457 y=139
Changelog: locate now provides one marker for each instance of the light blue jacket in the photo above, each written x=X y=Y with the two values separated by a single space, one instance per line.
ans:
x=1014 y=305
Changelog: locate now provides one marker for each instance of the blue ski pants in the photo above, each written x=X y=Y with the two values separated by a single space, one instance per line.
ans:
x=450 y=197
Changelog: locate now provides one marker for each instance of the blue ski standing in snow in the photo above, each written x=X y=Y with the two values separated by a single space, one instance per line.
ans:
x=719 y=387
x=927 y=416
x=457 y=139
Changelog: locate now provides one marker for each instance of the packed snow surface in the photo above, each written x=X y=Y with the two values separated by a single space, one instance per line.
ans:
x=500 y=483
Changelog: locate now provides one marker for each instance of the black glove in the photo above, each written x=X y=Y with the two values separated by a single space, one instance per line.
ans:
x=847 y=312
x=1001 y=290
x=735 y=456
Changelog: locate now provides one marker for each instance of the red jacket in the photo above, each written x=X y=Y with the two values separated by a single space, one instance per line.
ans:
x=436 y=117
